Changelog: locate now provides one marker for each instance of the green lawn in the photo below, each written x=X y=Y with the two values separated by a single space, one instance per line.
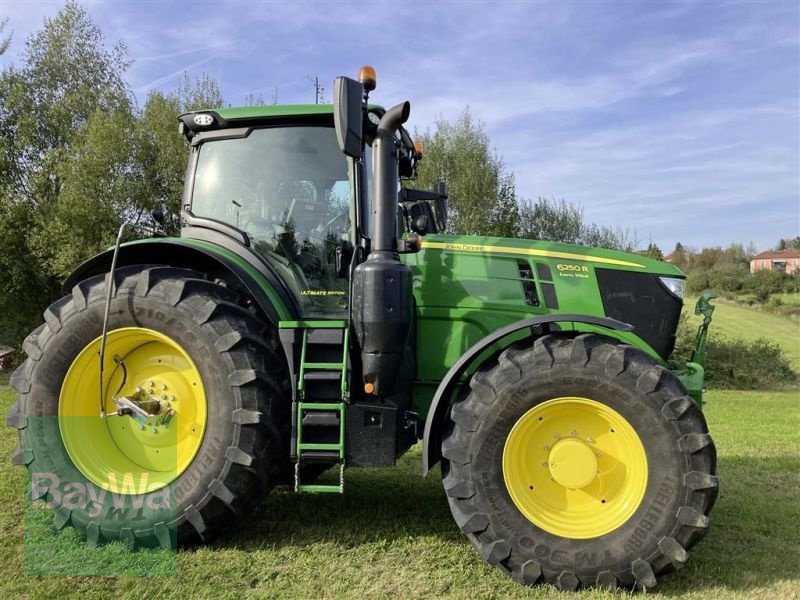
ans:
x=733 y=321
x=391 y=534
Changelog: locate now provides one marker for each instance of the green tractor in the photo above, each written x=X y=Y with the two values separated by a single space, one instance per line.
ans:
x=312 y=315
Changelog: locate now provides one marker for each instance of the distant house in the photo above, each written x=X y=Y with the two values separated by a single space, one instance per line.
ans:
x=786 y=261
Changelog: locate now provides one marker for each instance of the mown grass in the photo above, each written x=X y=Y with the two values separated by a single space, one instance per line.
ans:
x=734 y=321
x=391 y=534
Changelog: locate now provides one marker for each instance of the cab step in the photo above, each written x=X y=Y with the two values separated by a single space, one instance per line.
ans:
x=320 y=396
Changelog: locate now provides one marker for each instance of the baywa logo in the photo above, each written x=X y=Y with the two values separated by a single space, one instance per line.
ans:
x=121 y=493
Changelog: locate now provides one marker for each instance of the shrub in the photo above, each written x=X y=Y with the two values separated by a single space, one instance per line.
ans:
x=767 y=282
x=736 y=363
x=747 y=365
x=697 y=281
x=728 y=277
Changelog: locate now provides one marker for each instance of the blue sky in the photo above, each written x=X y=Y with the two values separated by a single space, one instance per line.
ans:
x=679 y=120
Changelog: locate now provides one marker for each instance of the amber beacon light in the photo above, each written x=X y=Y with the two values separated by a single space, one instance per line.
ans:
x=367 y=77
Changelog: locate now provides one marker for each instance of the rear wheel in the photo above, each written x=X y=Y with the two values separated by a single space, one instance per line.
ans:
x=206 y=442
x=579 y=461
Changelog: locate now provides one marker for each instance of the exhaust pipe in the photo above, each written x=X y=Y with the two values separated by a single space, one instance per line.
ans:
x=384 y=178
x=382 y=295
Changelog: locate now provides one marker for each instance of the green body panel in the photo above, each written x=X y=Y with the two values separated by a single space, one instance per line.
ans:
x=466 y=287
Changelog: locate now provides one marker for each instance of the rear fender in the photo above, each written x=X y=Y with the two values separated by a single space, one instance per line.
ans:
x=254 y=277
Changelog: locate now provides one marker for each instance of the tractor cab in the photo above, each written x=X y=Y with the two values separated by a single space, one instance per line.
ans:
x=283 y=189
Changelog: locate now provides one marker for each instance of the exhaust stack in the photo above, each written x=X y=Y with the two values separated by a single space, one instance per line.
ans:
x=382 y=295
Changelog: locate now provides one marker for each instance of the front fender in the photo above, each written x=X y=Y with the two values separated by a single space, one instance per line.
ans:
x=431 y=444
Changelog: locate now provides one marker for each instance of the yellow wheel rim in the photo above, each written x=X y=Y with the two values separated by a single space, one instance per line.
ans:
x=575 y=467
x=119 y=453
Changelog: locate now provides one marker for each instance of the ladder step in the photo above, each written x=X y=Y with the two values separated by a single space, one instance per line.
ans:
x=323 y=376
x=319 y=418
x=338 y=406
x=304 y=448
x=323 y=366
x=325 y=336
x=319 y=489
x=320 y=456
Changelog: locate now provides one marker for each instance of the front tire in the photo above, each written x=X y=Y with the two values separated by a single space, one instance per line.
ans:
x=171 y=326
x=613 y=496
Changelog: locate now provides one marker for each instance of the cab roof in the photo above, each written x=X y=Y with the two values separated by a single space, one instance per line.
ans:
x=231 y=113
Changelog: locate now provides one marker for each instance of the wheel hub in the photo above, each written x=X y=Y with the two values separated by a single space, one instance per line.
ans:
x=575 y=467
x=158 y=393
x=572 y=463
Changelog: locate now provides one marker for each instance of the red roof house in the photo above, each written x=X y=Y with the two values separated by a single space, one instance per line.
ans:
x=787 y=261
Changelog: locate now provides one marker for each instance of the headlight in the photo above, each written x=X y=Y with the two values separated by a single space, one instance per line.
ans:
x=674 y=285
x=203 y=120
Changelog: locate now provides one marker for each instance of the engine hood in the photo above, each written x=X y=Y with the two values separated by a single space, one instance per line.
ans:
x=569 y=253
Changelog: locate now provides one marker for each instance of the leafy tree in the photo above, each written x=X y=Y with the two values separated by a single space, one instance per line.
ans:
x=202 y=92
x=68 y=76
x=680 y=256
x=653 y=251
x=482 y=194
x=559 y=221
x=100 y=187
x=707 y=258
x=789 y=243
x=552 y=221
x=4 y=42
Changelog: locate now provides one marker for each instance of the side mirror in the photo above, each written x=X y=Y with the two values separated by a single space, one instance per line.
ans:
x=348 y=97
x=158 y=215
x=441 y=206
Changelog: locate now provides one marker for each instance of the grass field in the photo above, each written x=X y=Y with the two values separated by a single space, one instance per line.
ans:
x=734 y=321
x=391 y=534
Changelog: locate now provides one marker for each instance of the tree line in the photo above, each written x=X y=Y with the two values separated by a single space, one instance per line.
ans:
x=727 y=272
x=79 y=154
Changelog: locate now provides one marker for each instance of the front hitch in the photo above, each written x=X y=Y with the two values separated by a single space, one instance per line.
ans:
x=706 y=309
x=692 y=374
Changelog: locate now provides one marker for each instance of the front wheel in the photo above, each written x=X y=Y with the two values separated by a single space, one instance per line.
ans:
x=579 y=461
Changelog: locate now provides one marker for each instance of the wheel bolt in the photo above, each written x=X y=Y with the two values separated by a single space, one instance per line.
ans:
x=590 y=440
x=164 y=387
x=151 y=383
x=546 y=447
x=172 y=398
x=557 y=435
x=573 y=432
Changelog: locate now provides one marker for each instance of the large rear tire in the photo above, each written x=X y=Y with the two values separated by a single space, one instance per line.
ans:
x=579 y=461
x=178 y=333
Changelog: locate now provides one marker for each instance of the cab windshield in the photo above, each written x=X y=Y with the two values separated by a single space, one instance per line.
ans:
x=289 y=188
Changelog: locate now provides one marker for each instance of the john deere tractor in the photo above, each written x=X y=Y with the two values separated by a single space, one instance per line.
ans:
x=313 y=316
